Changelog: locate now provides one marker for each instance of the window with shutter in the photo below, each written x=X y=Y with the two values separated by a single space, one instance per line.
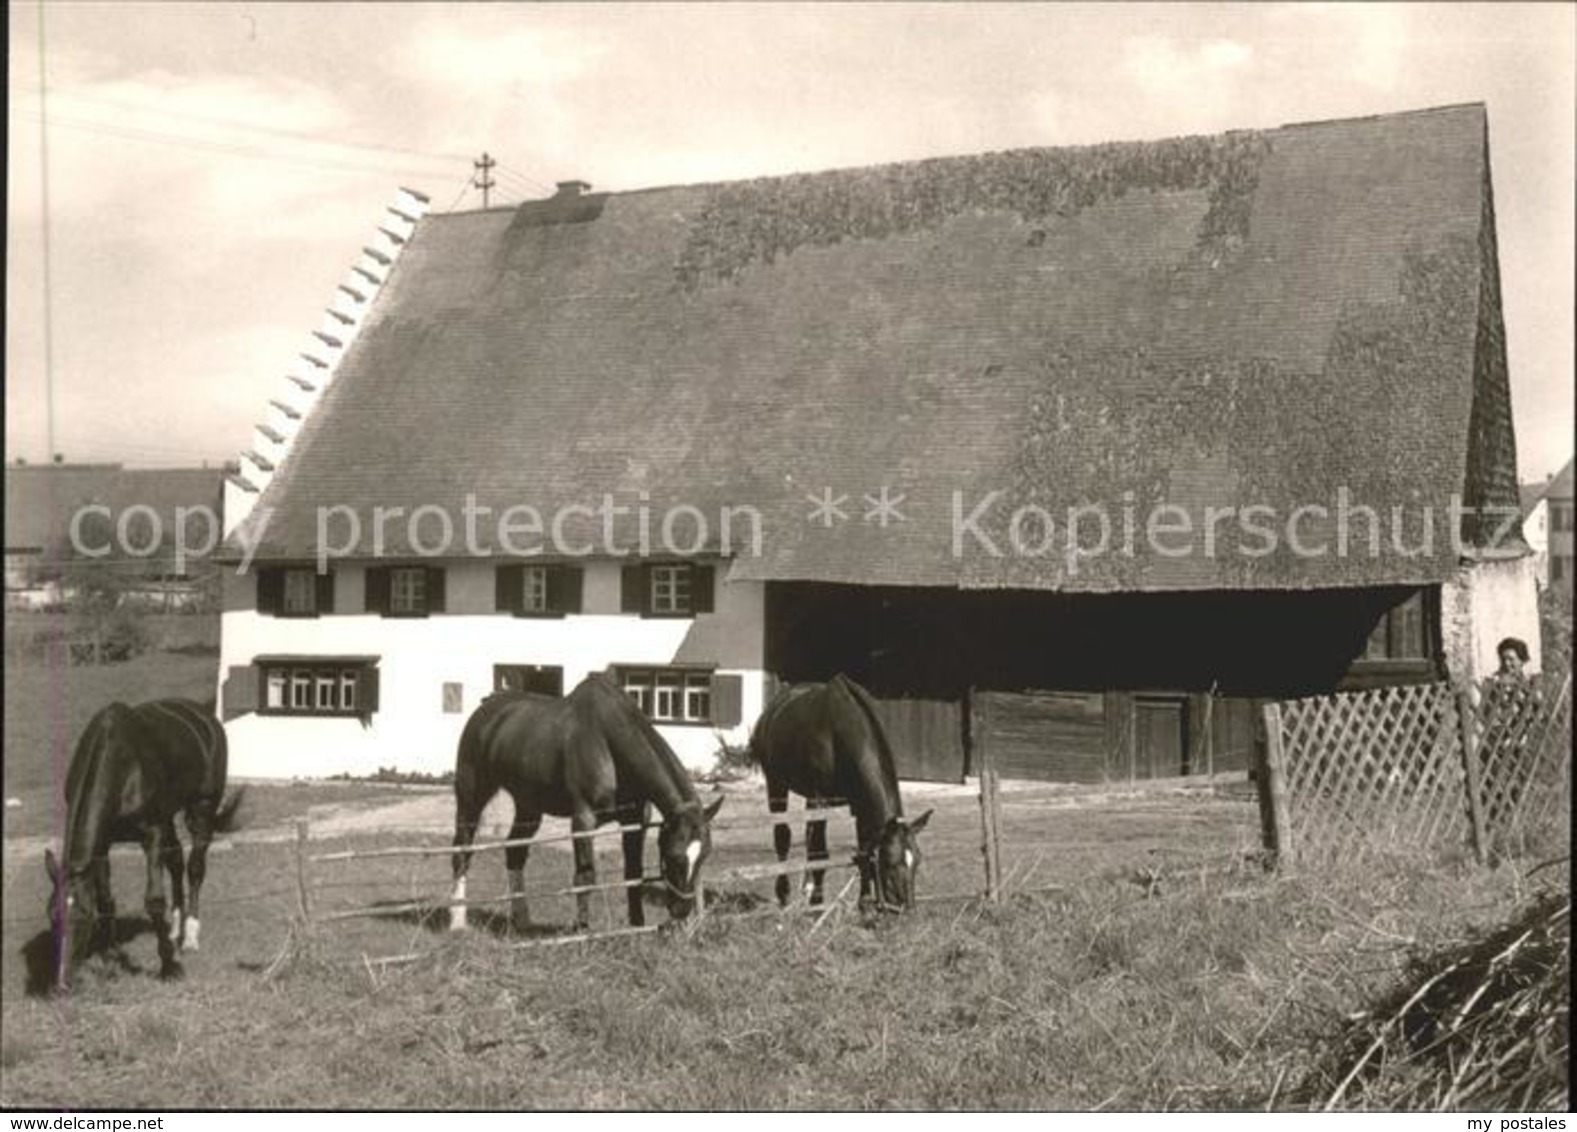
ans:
x=306 y=686
x=408 y=591
x=294 y=591
x=670 y=695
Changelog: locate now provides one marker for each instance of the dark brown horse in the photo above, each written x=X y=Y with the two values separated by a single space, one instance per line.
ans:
x=824 y=743
x=594 y=758
x=133 y=770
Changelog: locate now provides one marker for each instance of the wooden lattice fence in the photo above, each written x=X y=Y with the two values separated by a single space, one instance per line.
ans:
x=1425 y=767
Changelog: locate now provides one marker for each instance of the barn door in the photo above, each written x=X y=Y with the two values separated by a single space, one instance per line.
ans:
x=926 y=736
x=1160 y=741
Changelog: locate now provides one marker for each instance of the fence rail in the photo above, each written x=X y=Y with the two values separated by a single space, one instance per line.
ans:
x=1416 y=767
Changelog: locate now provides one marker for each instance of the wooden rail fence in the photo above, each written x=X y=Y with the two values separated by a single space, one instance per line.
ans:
x=310 y=914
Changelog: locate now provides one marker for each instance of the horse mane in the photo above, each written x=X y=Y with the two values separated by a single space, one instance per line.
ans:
x=87 y=761
x=627 y=710
x=889 y=766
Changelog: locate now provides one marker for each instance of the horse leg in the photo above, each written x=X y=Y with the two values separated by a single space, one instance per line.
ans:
x=104 y=928
x=470 y=801
x=634 y=852
x=175 y=865
x=782 y=838
x=200 y=825
x=515 y=857
x=584 y=821
x=815 y=850
x=154 y=899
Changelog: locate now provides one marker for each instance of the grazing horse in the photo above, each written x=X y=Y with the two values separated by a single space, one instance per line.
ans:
x=824 y=743
x=133 y=770
x=592 y=757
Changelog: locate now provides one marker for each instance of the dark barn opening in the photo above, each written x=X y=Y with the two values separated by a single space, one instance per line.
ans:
x=1093 y=688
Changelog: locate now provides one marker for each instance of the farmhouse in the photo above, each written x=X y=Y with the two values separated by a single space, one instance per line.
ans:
x=114 y=525
x=1547 y=526
x=1073 y=454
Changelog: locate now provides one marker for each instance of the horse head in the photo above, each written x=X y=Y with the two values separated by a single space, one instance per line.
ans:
x=683 y=843
x=73 y=917
x=894 y=861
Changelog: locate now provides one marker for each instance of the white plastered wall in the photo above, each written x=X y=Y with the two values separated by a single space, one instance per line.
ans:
x=1489 y=600
x=410 y=730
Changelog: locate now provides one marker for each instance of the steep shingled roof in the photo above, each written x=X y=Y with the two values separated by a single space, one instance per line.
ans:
x=1257 y=318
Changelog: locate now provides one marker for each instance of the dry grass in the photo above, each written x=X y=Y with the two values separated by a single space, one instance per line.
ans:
x=1205 y=985
x=1155 y=966
x=1483 y=1024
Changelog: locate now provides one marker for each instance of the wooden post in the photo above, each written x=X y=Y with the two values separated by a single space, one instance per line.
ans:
x=996 y=832
x=990 y=819
x=303 y=903
x=1475 y=806
x=1274 y=816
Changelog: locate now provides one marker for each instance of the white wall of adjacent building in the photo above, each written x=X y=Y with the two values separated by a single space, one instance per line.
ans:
x=1489 y=600
x=413 y=729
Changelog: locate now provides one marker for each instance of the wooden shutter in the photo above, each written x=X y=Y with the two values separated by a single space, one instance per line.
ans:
x=727 y=699
x=634 y=590
x=508 y=582
x=367 y=693
x=703 y=580
x=241 y=691
x=325 y=593
x=564 y=589
x=435 y=589
x=377 y=597
x=270 y=590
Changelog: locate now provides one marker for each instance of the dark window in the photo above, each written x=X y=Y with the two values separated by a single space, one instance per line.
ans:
x=1401 y=632
x=537 y=590
x=544 y=679
x=294 y=591
x=317 y=686
x=671 y=695
x=405 y=591
x=668 y=589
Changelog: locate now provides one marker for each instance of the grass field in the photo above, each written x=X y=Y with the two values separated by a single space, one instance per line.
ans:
x=1144 y=960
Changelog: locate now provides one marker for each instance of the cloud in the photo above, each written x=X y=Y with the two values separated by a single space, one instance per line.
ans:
x=1165 y=70
x=1367 y=42
x=482 y=63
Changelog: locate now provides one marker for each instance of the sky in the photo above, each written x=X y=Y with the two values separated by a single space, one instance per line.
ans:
x=188 y=183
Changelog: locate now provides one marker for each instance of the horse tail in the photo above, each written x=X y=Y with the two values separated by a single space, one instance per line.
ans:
x=867 y=705
x=227 y=815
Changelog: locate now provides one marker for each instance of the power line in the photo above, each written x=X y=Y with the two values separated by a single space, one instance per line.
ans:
x=231 y=124
x=532 y=181
x=129 y=133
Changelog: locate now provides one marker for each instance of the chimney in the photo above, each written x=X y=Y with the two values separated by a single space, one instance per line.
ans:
x=571 y=189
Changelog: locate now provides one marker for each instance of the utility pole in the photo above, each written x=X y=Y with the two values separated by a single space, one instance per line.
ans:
x=482 y=180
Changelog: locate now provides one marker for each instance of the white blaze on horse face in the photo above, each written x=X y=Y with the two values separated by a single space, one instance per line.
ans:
x=457 y=912
x=908 y=859
x=692 y=853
